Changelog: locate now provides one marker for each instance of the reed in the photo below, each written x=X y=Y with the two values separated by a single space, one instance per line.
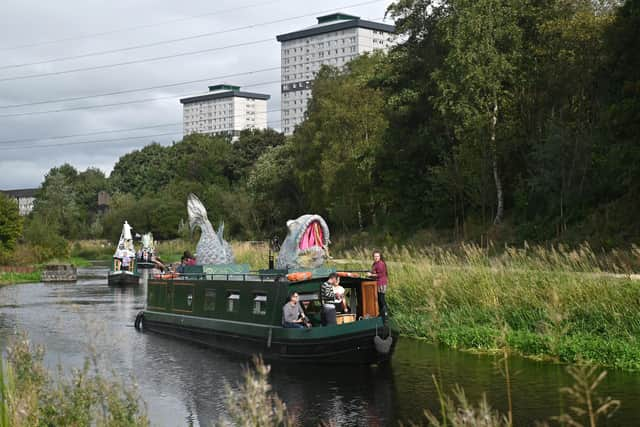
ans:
x=92 y=249
x=256 y=254
x=559 y=303
x=32 y=396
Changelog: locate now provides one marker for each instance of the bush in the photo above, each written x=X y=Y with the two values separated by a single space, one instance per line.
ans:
x=10 y=225
x=31 y=396
x=43 y=243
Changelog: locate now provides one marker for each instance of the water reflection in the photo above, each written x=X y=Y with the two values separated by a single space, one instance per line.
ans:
x=183 y=384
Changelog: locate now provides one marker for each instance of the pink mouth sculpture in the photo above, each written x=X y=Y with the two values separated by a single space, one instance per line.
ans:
x=312 y=236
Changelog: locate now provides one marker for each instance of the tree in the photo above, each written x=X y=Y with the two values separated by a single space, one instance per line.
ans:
x=56 y=204
x=10 y=224
x=144 y=170
x=203 y=158
x=274 y=191
x=477 y=79
x=250 y=146
x=338 y=143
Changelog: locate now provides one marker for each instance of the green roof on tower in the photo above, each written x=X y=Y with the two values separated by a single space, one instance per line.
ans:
x=335 y=22
x=336 y=17
x=224 y=87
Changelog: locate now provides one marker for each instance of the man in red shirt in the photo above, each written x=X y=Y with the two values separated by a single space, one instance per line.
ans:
x=379 y=271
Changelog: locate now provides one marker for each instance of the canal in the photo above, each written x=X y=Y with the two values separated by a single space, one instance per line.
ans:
x=183 y=384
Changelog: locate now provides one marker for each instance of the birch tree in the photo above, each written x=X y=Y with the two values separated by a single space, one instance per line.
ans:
x=475 y=83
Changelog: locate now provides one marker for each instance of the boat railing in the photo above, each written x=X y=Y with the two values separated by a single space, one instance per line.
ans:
x=245 y=277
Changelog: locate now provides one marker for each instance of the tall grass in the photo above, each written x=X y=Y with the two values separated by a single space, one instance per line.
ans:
x=555 y=303
x=256 y=254
x=92 y=249
x=11 y=278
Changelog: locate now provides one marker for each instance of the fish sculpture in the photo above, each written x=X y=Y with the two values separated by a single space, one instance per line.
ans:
x=211 y=248
x=306 y=244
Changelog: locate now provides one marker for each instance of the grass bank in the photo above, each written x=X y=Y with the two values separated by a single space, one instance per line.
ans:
x=557 y=303
x=11 y=278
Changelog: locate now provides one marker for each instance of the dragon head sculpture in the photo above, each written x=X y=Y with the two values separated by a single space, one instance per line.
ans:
x=211 y=248
x=306 y=244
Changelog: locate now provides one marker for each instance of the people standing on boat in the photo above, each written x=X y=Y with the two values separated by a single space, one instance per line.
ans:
x=292 y=313
x=339 y=300
x=328 y=297
x=379 y=271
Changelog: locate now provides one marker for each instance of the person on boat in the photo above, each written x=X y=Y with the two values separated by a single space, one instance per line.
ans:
x=117 y=258
x=339 y=300
x=379 y=272
x=293 y=315
x=188 y=258
x=180 y=268
x=126 y=261
x=328 y=297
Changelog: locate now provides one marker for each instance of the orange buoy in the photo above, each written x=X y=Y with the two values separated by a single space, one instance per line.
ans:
x=347 y=274
x=298 y=276
x=171 y=275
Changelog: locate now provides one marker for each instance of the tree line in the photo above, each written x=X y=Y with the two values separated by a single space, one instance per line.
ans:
x=503 y=119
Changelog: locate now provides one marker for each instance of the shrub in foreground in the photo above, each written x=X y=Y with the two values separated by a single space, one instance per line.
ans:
x=31 y=396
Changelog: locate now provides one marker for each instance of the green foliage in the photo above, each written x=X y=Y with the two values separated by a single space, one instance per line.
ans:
x=11 y=278
x=10 y=225
x=143 y=171
x=44 y=241
x=274 y=191
x=251 y=145
x=254 y=404
x=32 y=396
x=336 y=146
x=552 y=303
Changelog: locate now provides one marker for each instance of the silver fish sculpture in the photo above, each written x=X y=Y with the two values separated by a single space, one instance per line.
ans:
x=211 y=248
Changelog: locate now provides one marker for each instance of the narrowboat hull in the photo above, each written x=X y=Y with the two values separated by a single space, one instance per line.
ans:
x=340 y=344
x=123 y=278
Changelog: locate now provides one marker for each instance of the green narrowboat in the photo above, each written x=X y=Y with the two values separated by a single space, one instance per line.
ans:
x=230 y=308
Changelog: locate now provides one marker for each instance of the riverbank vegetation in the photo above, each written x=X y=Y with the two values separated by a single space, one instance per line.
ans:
x=30 y=395
x=12 y=278
x=556 y=303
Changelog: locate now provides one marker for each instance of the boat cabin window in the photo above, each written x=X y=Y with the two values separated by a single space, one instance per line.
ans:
x=233 y=302
x=209 y=300
x=259 y=304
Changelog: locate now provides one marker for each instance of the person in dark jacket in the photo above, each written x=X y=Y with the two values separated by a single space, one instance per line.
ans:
x=328 y=297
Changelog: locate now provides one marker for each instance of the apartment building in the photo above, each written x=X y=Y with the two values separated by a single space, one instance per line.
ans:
x=224 y=110
x=335 y=40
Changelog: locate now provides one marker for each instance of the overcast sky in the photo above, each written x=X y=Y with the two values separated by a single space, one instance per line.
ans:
x=36 y=31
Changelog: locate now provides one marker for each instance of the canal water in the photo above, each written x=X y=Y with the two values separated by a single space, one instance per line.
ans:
x=183 y=384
